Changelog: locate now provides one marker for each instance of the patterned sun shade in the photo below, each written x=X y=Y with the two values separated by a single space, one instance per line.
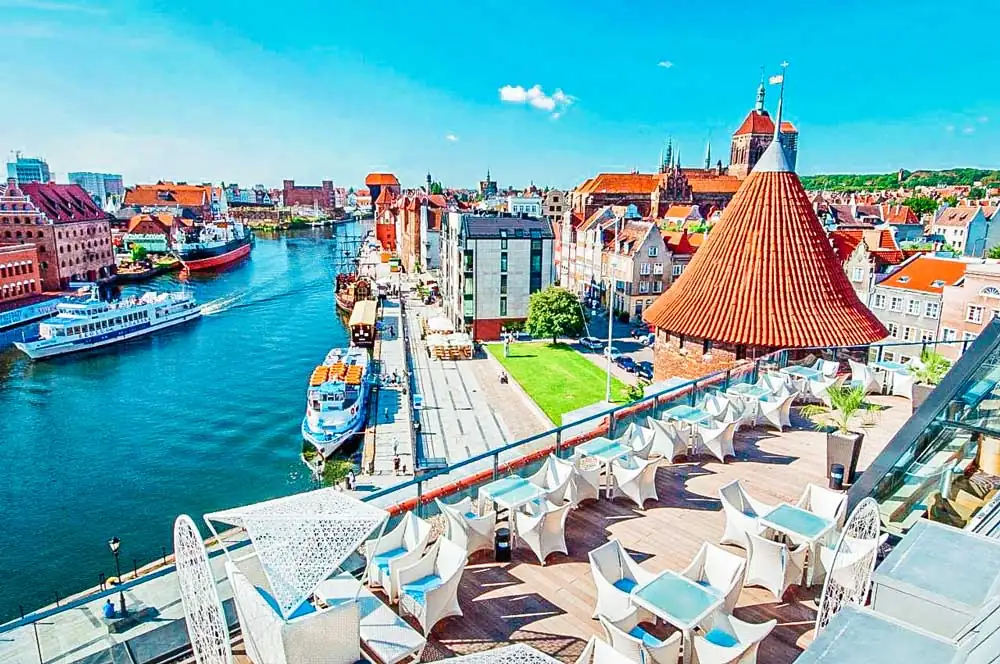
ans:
x=516 y=654
x=303 y=539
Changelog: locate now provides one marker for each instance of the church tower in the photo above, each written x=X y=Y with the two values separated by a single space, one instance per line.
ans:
x=756 y=133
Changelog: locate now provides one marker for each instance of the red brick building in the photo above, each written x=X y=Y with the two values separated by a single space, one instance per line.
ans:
x=376 y=182
x=323 y=197
x=19 y=272
x=386 y=220
x=189 y=200
x=72 y=234
x=419 y=230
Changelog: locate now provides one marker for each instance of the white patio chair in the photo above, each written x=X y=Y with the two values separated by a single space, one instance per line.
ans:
x=727 y=639
x=398 y=548
x=777 y=383
x=828 y=367
x=915 y=364
x=429 y=587
x=668 y=442
x=585 y=483
x=554 y=477
x=741 y=512
x=616 y=575
x=716 y=405
x=776 y=411
x=864 y=375
x=639 y=439
x=598 y=651
x=827 y=503
x=774 y=565
x=629 y=638
x=853 y=551
x=466 y=528
x=717 y=438
x=719 y=570
x=635 y=479
x=821 y=388
x=902 y=384
x=545 y=532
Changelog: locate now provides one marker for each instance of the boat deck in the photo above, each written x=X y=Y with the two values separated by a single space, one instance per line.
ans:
x=550 y=607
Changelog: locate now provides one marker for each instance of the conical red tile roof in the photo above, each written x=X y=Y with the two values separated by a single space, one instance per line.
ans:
x=766 y=274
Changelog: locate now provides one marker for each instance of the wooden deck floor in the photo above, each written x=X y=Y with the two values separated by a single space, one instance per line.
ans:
x=550 y=607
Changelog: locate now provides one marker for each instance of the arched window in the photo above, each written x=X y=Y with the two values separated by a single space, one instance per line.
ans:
x=28 y=234
x=40 y=234
x=990 y=291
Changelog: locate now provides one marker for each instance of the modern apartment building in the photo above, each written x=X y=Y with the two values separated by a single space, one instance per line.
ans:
x=107 y=189
x=490 y=266
x=28 y=169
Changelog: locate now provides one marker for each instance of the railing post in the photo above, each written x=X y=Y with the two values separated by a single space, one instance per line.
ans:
x=923 y=347
x=756 y=371
x=558 y=441
x=100 y=580
x=496 y=467
x=611 y=424
x=691 y=395
x=420 y=494
x=726 y=384
x=878 y=356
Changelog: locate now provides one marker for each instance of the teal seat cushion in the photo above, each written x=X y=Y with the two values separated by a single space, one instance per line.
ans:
x=418 y=589
x=382 y=560
x=303 y=610
x=646 y=638
x=625 y=585
x=721 y=638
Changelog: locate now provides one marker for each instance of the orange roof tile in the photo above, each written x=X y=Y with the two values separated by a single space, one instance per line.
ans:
x=384 y=197
x=621 y=183
x=383 y=179
x=898 y=214
x=679 y=211
x=680 y=242
x=956 y=216
x=927 y=274
x=169 y=194
x=631 y=235
x=720 y=184
x=760 y=122
x=767 y=275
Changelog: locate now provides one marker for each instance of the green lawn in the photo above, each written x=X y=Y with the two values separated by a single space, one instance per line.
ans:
x=557 y=377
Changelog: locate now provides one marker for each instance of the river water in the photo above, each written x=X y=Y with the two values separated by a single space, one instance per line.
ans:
x=193 y=419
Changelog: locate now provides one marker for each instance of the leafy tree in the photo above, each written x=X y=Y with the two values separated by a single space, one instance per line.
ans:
x=951 y=200
x=993 y=252
x=436 y=188
x=554 y=312
x=139 y=253
x=977 y=192
x=921 y=205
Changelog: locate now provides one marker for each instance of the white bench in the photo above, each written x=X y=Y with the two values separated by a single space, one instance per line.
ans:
x=384 y=635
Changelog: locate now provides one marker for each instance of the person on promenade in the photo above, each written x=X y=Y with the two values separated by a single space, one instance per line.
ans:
x=109 y=609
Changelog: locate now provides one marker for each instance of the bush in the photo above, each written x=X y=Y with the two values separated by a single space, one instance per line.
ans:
x=623 y=316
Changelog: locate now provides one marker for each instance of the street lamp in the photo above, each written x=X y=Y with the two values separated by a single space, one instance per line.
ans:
x=611 y=319
x=115 y=544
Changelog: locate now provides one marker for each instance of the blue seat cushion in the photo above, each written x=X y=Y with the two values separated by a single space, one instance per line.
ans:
x=625 y=585
x=471 y=515
x=721 y=638
x=303 y=610
x=644 y=636
x=382 y=560
x=419 y=588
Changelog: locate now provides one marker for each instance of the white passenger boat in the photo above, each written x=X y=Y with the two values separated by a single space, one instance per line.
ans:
x=336 y=398
x=91 y=323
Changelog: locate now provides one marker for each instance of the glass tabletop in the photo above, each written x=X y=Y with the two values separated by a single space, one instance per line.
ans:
x=748 y=390
x=677 y=599
x=595 y=447
x=502 y=486
x=688 y=414
x=511 y=492
x=889 y=366
x=793 y=520
x=804 y=372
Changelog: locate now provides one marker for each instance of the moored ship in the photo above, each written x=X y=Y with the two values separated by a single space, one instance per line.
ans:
x=336 y=399
x=213 y=244
x=92 y=323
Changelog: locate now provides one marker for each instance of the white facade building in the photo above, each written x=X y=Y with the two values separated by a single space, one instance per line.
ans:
x=529 y=205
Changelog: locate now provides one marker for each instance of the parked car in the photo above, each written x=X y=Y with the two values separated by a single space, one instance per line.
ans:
x=615 y=353
x=638 y=332
x=648 y=339
x=626 y=363
x=644 y=369
x=522 y=336
x=593 y=343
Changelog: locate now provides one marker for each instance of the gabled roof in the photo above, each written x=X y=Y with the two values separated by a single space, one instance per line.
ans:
x=384 y=197
x=898 y=214
x=718 y=184
x=880 y=242
x=62 y=203
x=631 y=235
x=927 y=274
x=383 y=179
x=621 y=183
x=680 y=211
x=956 y=216
x=760 y=122
x=767 y=276
x=165 y=221
x=681 y=242
x=167 y=194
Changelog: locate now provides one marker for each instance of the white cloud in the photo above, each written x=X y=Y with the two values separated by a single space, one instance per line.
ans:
x=53 y=6
x=556 y=103
x=969 y=130
x=983 y=119
x=451 y=137
x=666 y=64
x=950 y=128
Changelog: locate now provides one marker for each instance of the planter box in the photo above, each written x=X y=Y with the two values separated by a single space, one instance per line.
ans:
x=920 y=394
x=843 y=448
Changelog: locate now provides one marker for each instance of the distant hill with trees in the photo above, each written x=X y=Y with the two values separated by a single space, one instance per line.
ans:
x=910 y=179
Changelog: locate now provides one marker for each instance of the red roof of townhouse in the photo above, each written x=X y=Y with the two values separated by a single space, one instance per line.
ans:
x=682 y=242
x=760 y=122
x=898 y=214
x=880 y=242
x=630 y=237
x=679 y=211
x=384 y=179
x=621 y=183
x=767 y=275
x=927 y=274
x=62 y=202
x=385 y=197
x=168 y=193
x=956 y=216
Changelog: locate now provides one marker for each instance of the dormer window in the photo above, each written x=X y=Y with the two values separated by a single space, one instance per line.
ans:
x=937 y=283
x=904 y=279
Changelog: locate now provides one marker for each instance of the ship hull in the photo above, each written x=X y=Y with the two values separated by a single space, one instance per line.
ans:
x=207 y=260
x=326 y=443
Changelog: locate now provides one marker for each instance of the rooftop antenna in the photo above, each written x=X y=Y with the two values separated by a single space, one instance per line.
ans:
x=780 y=78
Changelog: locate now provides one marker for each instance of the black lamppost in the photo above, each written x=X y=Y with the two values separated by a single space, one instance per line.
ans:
x=115 y=544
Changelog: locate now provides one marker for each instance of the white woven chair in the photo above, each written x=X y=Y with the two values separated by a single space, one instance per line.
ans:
x=821 y=388
x=828 y=367
x=777 y=411
x=398 y=548
x=635 y=479
x=902 y=384
x=774 y=565
x=466 y=528
x=429 y=587
x=554 y=477
x=586 y=482
x=717 y=438
x=668 y=443
x=777 y=383
x=639 y=439
x=864 y=375
x=827 y=503
x=716 y=405
x=598 y=651
x=545 y=532
x=741 y=512
x=719 y=570
x=628 y=638
x=726 y=639
x=849 y=562
x=616 y=576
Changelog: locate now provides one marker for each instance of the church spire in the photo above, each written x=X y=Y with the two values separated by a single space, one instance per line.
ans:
x=708 y=154
x=774 y=159
x=760 y=92
x=668 y=160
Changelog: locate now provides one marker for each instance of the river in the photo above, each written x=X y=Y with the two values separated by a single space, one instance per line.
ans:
x=189 y=420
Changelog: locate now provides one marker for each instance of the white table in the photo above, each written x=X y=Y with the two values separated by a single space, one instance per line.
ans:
x=605 y=451
x=510 y=493
x=801 y=524
x=679 y=601
x=890 y=369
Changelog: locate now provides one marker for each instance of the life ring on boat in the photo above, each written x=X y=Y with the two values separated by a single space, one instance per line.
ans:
x=112 y=581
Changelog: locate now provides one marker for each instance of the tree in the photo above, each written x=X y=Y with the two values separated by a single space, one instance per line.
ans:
x=554 y=312
x=139 y=253
x=921 y=205
x=977 y=192
x=436 y=188
x=951 y=200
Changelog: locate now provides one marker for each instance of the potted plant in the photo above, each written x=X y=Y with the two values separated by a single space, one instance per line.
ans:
x=933 y=366
x=842 y=445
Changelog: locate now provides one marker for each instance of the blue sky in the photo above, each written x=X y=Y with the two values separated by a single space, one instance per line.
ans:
x=257 y=91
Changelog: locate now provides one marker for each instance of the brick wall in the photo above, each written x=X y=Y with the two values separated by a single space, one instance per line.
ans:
x=19 y=273
x=324 y=196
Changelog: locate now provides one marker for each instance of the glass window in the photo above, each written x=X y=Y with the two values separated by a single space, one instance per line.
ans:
x=645 y=268
x=503 y=244
x=932 y=309
x=927 y=335
x=503 y=261
x=893 y=330
x=503 y=306
x=913 y=307
x=907 y=333
x=949 y=334
x=896 y=303
x=968 y=336
x=652 y=252
x=878 y=301
x=857 y=274
x=503 y=284
x=677 y=269
x=657 y=286
x=657 y=268
x=974 y=314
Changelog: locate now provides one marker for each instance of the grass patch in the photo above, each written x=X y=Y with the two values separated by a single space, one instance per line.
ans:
x=557 y=377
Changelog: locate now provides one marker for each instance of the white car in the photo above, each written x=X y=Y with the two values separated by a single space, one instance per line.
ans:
x=593 y=343
x=615 y=353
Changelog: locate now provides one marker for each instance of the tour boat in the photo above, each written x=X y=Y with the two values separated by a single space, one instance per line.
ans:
x=336 y=399
x=92 y=323
x=213 y=244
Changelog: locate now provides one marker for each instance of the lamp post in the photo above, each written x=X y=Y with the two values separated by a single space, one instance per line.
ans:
x=611 y=319
x=115 y=544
